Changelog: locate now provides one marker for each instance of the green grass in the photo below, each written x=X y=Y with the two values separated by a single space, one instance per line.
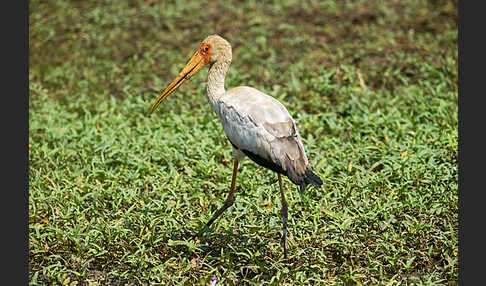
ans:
x=115 y=193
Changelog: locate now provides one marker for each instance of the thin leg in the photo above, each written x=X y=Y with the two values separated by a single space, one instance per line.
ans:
x=230 y=199
x=284 y=213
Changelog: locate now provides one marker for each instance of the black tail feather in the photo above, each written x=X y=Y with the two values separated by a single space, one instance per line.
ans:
x=302 y=181
x=310 y=178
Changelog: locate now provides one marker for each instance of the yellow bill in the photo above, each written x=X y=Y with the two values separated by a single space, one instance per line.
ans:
x=196 y=63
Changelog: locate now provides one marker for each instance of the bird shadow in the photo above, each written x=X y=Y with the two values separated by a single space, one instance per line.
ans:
x=205 y=244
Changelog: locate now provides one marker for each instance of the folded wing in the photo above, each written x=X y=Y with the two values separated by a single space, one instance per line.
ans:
x=262 y=128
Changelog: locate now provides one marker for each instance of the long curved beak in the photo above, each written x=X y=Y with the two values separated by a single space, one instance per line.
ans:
x=192 y=67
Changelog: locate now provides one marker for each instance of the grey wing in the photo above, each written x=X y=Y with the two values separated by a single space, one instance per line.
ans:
x=262 y=128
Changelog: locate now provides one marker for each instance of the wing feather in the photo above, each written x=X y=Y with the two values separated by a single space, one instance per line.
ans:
x=258 y=123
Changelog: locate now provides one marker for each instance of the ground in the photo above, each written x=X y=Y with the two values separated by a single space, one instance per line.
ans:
x=116 y=193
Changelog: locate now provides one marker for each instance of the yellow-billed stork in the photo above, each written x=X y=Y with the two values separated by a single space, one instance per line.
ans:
x=257 y=125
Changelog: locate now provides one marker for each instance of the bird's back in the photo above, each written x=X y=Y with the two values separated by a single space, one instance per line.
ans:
x=262 y=128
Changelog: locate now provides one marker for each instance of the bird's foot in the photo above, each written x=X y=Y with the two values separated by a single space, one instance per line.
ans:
x=284 y=242
x=204 y=229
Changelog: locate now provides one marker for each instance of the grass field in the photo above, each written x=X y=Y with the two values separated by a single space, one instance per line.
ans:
x=116 y=193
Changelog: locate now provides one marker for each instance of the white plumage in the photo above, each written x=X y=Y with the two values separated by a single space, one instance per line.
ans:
x=256 y=124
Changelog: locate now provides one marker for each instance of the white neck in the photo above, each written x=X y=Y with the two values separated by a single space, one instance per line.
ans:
x=215 y=83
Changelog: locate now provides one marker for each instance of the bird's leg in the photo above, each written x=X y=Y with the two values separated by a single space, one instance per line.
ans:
x=284 y=213
x=230 y=199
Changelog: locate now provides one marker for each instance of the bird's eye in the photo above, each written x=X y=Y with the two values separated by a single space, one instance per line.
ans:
x=206 y=49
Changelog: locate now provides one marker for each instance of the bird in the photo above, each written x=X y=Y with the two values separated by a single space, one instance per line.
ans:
x=257 y=125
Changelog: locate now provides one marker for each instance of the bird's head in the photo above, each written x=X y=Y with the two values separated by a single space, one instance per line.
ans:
x=220 y=49
x=212 y=49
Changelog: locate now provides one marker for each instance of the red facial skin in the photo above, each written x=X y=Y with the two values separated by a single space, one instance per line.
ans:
x=205 y=50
